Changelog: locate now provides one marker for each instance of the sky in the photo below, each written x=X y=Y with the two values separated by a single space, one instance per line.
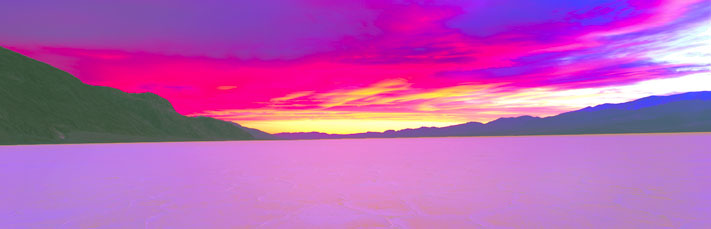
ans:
x=346 y=66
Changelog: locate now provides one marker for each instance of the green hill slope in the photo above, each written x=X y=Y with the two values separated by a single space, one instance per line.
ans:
x=42 y=104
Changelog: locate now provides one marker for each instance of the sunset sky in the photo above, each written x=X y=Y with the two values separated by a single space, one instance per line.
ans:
x=346 y=66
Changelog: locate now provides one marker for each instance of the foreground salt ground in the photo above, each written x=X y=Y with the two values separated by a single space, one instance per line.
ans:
x=597 y=181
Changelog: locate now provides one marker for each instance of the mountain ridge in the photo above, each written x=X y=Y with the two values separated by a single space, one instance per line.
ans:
x=40 y=104
x=684 y=112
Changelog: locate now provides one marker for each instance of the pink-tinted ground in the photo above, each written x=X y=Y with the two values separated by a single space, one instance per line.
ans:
x=598 y=181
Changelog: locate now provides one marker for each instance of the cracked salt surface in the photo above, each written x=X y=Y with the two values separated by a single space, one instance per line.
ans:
x=599 y=181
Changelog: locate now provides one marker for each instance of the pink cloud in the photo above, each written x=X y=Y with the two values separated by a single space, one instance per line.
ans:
x=381 y=59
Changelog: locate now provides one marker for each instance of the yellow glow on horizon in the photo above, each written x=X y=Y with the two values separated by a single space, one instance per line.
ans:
x=339 y=126
x=447 y=106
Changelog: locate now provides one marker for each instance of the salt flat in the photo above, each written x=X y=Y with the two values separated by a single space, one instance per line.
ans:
x=595 y=181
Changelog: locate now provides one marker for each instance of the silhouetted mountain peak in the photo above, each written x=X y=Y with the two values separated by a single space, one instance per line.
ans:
x=42 y=104
x=652 y=101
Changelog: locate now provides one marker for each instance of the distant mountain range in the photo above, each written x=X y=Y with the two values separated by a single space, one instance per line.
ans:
x=687 y=112
x=42 y=104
